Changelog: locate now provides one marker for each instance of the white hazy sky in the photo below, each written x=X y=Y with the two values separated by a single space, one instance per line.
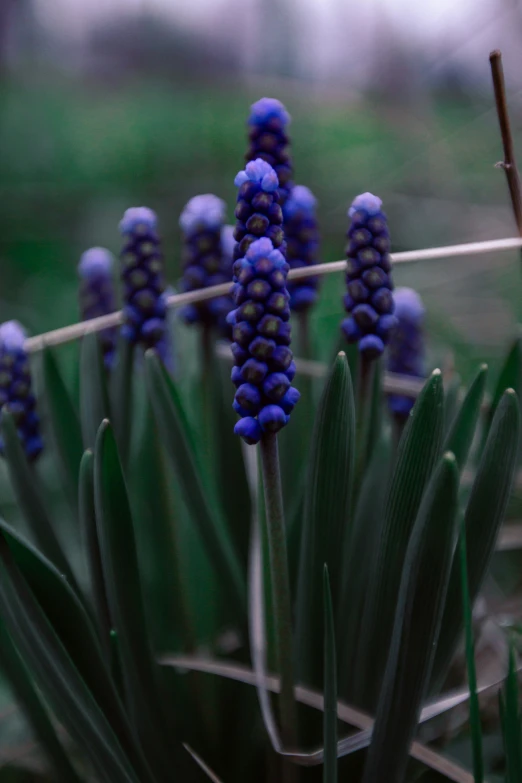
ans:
x=329 y=31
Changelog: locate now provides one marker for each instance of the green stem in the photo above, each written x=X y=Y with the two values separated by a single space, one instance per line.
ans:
x=207 y=385
x=280 y=585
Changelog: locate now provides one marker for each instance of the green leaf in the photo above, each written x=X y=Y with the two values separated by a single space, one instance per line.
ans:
x=360 y=550
x=417 y=455
x=73 y=627
x=462 y=430
x=122 y=579
x=326 y=511
x=121 y=397
x=510 y=376
x=57 y=677
x=483 y=516
x=91 y=546
x=94 y=397
x=29 y=498
x=330 y=688
x=474 y=707
x=510 y=723
x=174 y=430
x=416 y=626
x=65 y=426
x=13 y=669
x=451 y=401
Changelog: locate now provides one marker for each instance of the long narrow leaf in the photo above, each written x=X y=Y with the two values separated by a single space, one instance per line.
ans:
x=420 y=605
x=65 y=425
x=462 y=430
x=326 y=512
x=418 y=452
x=29 y=498
x=330 y=688
x=94 y=396
x=483 y=516
x=511 y=723
x=474 y=708
x=122 y=579
x=57 y=676
x=174 y=430
x=13 y=669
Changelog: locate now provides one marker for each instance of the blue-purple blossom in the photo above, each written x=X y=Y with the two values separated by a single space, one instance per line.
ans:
x=369 y=299
x=302 y=244
x=206 y=264
x=16 y=388
x=96 y=294
x=263 y=361
x=142 y=274
x=269 y=141
x=406 y=348
x=258 y=212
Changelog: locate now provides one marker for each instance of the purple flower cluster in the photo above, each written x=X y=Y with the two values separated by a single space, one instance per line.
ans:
x=269 y=141
x=302 y=244
x=96 y=294
x=207 y=261
x=264 y=366
x=144 y=308
x=369 y=299
x=258 y=211
x=406 y=348
x=16 y=388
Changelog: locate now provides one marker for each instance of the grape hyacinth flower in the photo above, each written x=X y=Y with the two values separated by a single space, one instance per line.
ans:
x=144 y=308
x=369 y=299
x=302 y=244
x=264 y=366
x=205 y=263
x=96 y=294
x=406 y=348
x=257 y=211
x=269 y=141
x=16 y=388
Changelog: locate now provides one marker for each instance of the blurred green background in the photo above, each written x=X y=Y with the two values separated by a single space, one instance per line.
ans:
x=100 y=111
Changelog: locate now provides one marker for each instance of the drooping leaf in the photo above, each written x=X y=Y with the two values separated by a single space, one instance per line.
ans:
x=124 y=592
x=330 y=688
x=173 y=428
x=70 y=622
x=474 y=707
x=483 y=516
x=94 y=396
x=418 y=452
x=29 y=498
x=416 y=626
x=462 y=430
x=65 y=425
x=57 y=677
x=326 y=512
x=13 y=669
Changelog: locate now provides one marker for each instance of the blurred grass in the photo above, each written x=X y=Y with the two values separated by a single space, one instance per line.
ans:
x=74 y=154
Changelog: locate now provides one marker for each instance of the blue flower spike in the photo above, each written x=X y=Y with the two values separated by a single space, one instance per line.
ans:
x=97 y=296
x=406 y=352
x=264 y=366
x=302 y=245
x=207 y=261
x=369 y=299
x=268 y=122
x=144 y=307
x=16 y=388
x=258 y=212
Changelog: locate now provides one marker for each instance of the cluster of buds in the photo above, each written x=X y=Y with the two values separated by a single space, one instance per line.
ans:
x=258 y=212
x=369 y=299
x=406 y=348
x=269 y=141
x=302 y=245
x=96 y=294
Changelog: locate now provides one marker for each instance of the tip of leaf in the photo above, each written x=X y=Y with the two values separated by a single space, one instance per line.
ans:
x=341 y=355
x=511 y=392
x=436 y=373
x=449 y=457
x=483 y=367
